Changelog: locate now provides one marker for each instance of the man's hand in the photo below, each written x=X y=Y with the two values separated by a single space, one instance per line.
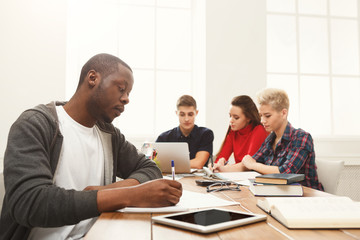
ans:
x=155 y=193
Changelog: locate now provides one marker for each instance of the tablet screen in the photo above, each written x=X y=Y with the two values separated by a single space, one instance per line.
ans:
x=209 y=220
x=209 y=217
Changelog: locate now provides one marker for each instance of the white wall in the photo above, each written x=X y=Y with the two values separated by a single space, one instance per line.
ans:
x=32 y=57
x=235 y=57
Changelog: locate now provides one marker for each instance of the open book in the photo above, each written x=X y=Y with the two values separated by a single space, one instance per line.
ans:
x=313 y=212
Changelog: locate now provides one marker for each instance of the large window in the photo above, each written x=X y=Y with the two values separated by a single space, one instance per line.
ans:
x=313 y=54
x=159 y=39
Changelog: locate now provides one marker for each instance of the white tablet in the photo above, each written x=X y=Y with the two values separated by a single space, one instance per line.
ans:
x=209 y=220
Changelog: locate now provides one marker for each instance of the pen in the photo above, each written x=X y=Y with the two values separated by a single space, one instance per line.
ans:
x=212 y=162
x=173 y=169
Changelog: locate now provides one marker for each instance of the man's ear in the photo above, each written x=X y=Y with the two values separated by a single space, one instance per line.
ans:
x=92 y=78
x=196 y=112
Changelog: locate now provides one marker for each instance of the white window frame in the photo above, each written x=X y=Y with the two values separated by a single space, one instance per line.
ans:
x=197 y=69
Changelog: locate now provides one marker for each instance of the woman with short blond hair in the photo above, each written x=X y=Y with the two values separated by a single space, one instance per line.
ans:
x=277 y=98
x=286 y=149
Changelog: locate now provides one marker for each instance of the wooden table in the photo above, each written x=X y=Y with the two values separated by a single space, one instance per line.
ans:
x=116 y=225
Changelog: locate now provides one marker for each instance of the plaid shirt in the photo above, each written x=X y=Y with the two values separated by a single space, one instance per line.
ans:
x=294 y=153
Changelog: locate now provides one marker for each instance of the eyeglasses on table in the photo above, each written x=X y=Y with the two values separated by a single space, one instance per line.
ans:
x=223 y=186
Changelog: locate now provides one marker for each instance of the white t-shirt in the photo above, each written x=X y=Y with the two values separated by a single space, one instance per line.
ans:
x=81 y=164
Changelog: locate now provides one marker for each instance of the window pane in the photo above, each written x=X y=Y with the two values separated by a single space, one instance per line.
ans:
x=287 y=6
x=169 y=87
x=312 y=7
x=315 y=111
x=147 y=34
x=137 y=40
x=138 y=117
x=174 y=3
x=346 y=101
x=313 y=45
x=281 y=44
x=103 y=40
x=344 y=8
x=82 y=41
x=173 y=39
x=289 y=83
x=344 y=47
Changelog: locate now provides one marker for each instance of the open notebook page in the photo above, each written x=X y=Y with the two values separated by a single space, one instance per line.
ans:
x=189 y=200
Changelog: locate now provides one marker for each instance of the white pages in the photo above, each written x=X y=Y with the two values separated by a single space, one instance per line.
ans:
x=189 y=200
x=313 y=212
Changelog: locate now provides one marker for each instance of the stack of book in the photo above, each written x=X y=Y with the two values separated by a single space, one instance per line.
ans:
x=277 y=184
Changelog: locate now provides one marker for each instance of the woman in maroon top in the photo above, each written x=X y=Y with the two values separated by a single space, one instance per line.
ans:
x=244 y=135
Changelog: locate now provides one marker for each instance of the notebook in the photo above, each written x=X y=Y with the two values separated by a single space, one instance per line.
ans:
x=177 y=151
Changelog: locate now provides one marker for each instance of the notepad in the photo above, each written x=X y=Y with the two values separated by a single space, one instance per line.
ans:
x=313 y=212
x=237 y=176
x=189 y=200
x=154 y=210
x=231 y=176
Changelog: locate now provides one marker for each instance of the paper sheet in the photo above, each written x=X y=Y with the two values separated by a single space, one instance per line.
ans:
x=189 y=200
x=237 y=176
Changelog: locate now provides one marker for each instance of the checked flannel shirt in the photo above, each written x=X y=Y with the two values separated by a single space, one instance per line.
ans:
x=294 y=153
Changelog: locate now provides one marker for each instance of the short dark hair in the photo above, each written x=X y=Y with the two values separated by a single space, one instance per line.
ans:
x=186 y=100
x=103 y=63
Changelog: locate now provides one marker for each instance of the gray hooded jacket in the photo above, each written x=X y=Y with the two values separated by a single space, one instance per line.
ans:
x=30 y=162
